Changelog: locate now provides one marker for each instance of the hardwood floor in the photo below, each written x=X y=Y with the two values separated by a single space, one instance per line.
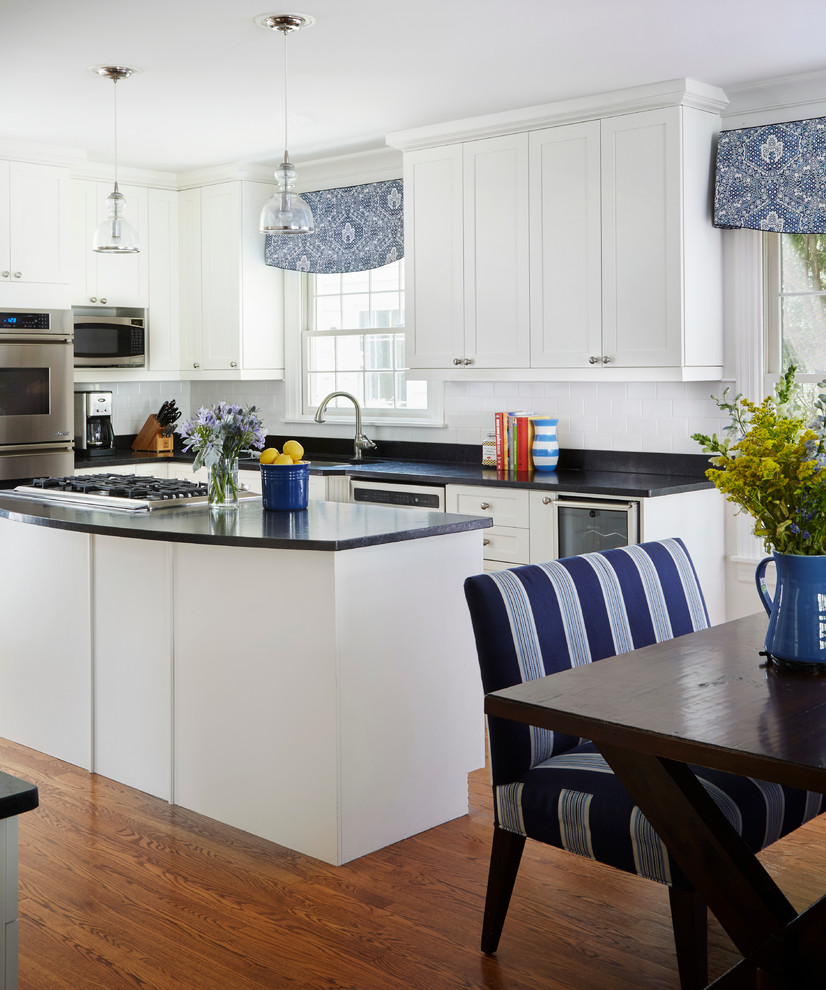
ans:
x=120 y=890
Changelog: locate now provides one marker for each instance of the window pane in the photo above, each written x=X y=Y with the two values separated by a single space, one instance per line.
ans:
x=804 y=333
x=355 y=311
x=386 y=309
x=327 y=284
x=355 y=282
x=412 y=395
x=352 y=383
x=804 y=263
x=318 y=386
x=323 y=353
x=349 y=352
x=378 y=351
x=328 y=313
x=385 y=278
x=379 y=390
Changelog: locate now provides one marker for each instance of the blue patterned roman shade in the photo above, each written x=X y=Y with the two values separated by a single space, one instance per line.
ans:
x=773 y=178
x=356 y=228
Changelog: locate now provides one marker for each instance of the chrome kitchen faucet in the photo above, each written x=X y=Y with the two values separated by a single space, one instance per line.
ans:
x=361 y=442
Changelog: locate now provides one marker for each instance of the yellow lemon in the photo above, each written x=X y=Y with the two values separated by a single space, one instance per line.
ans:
x=268 y=455
x=283 y=459
x=294 y=449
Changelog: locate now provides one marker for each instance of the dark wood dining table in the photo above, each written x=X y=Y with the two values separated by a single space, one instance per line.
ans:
x=708 y=698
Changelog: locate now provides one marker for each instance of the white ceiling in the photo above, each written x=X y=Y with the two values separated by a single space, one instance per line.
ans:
x=211 y=87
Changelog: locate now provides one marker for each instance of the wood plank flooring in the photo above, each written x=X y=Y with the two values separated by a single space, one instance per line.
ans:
x=120 y=890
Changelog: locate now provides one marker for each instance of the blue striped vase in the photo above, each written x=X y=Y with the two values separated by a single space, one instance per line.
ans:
x=545 y=449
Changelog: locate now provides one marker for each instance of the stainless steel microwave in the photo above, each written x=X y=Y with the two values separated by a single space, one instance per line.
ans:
x=110 y=341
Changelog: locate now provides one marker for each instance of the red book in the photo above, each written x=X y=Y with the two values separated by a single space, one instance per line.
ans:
x=501 y=430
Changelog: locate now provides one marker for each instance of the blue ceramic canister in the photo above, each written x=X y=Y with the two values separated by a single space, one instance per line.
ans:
x=285 y=486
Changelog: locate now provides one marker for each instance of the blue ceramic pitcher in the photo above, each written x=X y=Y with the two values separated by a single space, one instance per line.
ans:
x=797 y=613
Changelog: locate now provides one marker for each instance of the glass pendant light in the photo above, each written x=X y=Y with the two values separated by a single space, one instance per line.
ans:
x=286 y=212
x=115 y=235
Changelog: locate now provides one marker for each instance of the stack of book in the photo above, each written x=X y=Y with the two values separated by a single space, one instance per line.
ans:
x=514 y=439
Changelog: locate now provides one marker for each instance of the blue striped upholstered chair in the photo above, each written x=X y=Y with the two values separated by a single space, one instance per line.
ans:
x=536 y=620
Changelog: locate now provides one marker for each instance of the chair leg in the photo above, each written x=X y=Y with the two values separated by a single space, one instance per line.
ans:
x=505 y=856
x=689 y=918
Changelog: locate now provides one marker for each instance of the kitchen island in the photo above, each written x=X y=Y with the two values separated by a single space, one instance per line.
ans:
x=309 y=677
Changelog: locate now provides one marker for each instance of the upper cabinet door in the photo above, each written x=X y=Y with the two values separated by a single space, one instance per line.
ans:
x=566 y=246
x=497 y=329
x=5 y=222
x=221 y=275
x=38 y=206
x=642 y=238
x=434 y=272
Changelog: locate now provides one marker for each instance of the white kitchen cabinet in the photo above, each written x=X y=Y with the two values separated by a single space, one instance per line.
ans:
x=101 y=279
x=34 y=235
x=467 y=208
x=566 y=245
x=507 y=542
x=231 y=301
x=162 y=254
x=610 y=217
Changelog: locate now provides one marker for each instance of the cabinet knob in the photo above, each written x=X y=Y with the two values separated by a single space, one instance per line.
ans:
x=103 y=300
x=607 y=360
x=5 y=274
x=195 y=364
x=484 y=505
x=18 y=275
x=593 y=359
x=468 y=361
x=93 y=298
x=546 y=500
x=485 y=542
x=233 y=364
x=457 y=360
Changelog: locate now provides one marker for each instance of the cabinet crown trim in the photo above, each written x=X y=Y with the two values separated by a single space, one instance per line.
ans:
x=675 y=92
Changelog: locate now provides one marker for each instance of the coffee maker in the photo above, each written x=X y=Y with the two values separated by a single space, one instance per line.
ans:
x=93 y=422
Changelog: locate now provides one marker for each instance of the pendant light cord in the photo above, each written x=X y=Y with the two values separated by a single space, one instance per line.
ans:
x=286 y=142
x=115 y=110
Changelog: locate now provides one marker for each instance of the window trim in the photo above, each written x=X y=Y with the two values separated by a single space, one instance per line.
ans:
x=295 y=344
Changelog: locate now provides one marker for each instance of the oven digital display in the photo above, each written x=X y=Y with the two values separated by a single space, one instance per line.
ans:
x=24 y=321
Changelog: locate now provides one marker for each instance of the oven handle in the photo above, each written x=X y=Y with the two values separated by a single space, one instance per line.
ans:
x=20 y=449
x=40 y=338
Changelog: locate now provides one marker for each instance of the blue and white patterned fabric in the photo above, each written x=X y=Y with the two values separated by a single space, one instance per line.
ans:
x=773 y=178
x=542 y=618
x=357 y=228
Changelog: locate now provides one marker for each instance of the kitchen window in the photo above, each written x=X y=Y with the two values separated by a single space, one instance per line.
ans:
x=353 y=341
x=795 y=311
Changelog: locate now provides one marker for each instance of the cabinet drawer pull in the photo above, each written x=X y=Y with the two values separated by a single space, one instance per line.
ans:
x=233 y=364
x=607 y=360
x=468 y=361
x=546 y=500
x=593 y=359
x=457 y=361
x=103 y=300
x=485 y=542
x=195 y=364
x=93 y=298
x=5 y=274
x=484 y=505
x=18 y=274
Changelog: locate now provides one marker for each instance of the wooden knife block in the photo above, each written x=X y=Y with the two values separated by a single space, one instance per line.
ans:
x=150 y=438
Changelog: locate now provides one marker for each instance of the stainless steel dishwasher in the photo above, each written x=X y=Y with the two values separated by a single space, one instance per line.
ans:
x=401 y=495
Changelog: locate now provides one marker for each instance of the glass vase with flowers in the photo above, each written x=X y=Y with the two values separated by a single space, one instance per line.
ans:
x=217 y=435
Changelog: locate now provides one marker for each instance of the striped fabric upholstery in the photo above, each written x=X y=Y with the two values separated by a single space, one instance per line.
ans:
x=536 y=620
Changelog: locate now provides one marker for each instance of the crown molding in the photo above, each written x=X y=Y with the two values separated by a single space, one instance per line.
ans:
x=105 y=172
x=773 y=101
x=673 y=92
x=45 y=154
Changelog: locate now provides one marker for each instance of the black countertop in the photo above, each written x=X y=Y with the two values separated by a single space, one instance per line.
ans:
x=321 y=526
x=16 y=796
x=602 y=473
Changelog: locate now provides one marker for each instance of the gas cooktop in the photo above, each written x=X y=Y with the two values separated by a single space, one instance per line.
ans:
x=122 y=492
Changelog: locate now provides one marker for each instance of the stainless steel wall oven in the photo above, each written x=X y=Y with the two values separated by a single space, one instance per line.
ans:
x=36 y=393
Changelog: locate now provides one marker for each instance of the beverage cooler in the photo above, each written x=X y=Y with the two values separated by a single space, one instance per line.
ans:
x=583 y=526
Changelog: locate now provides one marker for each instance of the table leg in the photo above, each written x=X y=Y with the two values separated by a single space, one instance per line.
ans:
x=744 y=898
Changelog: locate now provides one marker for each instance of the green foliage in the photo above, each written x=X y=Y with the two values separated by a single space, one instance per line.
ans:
x=772 y=464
